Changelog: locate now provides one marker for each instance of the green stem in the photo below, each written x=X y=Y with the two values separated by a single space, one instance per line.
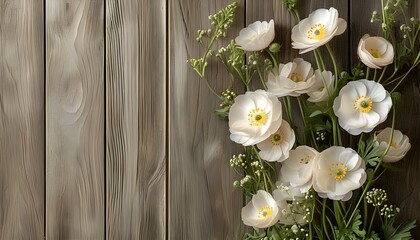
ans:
x=337 y=212
x=371 y=221
x=289 y=106
x=374 y=74
x=276 y=65
x=321 y=59
x=382 y=74
x=367 y=72
x=334 y=62
x=303 y=118
x=211 y=88
x=264 y=173
x=324 y=203
x=392 y=75
x=358 y=203
x=416 y=62
x=383 y=17
x=321 y=66
x=261 y=78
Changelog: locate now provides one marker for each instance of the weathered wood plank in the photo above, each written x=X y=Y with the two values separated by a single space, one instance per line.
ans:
x=202 y=201
x=21 y=119
x=402 y=186
x=75 y=119
x=136 y=119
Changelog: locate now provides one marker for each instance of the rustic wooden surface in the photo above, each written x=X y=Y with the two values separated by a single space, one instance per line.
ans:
x=130 y=147
x=136 y=119
x=202 y=202
x=21 y=119
x=75 y=119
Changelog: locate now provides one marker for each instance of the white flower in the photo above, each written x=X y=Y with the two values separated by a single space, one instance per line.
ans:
x=375 y=52
x=323 y=87
x=316 y=30
x=362 y=105
x=399 y=144
x=338 y=171
x=277 y=146
x=256 y=36
x=261 y=212
x=294 y=79
x=291 y=211
x=297 y=170
x=254 y=117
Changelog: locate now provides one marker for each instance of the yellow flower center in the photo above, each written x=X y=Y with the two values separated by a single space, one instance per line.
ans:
x=277 y=139
x=317 y=32
x=338 y=171
x=296 y=77
x=394 y=145
x=363 y=104
x=257 y=117
x=265 y=212
x=375 y=53
x=306 y=159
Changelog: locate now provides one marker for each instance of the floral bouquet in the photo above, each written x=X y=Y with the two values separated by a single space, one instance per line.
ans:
x=308 y=172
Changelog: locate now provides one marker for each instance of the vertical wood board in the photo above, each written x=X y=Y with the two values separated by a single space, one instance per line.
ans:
x=202 y=201
x=75 y=119
x=136 y=119
x=21 y=119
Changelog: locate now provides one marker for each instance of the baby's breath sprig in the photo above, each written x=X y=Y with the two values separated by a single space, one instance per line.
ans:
x=376 y=197
x=221 y=21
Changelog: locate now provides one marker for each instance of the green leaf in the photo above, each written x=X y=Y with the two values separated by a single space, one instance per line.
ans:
x=223 y=112
x=402 y=232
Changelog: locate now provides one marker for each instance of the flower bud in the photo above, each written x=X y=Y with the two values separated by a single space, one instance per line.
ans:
x=274 y=47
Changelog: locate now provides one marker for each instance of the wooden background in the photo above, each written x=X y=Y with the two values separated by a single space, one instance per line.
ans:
x=107 y=133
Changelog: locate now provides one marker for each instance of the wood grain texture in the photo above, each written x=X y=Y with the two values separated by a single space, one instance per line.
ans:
x=75 y=119
x=202 y=201
x=136 y=119
x=21 y=119
x=402 y=187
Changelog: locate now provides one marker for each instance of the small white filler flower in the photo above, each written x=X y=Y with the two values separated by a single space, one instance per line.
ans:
x=362 y=105
x=294 y=79
x=318 y=29
x=257 y=36
x=278 y=145
x=400 y=144
x=297 y=170
x=291 y=211
x=323 y=87
x=261 y=212
x=337 y=172
x=254 y=117
x=375 y=52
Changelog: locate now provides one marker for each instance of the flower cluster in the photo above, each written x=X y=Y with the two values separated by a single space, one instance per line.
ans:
x=295 y=125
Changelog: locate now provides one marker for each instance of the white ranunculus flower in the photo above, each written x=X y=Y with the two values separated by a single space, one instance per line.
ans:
x=323 y=87
x=362 y=105
x=297 y=170
x=254 y=117
x=318 y=29
x=290 y=212
x=261 y=212
x=294 y=79
x=337 y=172
x=400 y=144
x=278 y=145
x=257 y=36
x=375 y=52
